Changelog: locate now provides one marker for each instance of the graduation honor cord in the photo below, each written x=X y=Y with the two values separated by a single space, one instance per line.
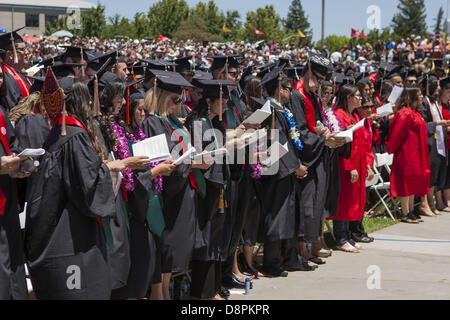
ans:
x=24 y=90
x=309 y=108
x=4 y=141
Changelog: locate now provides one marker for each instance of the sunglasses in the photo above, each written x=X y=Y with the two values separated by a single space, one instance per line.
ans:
x=367 y=107
x=326 y=94
x=235 y=74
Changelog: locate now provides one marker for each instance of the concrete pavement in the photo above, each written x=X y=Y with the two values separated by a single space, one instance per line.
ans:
x=412 y=261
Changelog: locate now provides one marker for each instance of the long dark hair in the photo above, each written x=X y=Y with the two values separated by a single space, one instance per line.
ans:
x=106 y=120
x=78 y=105
x=201 y=110
x=133 y=103
x=408 y=97
x=344 y=92
x=251 y=90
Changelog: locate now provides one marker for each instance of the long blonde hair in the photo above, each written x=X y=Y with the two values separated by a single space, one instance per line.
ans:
x=25 y=106
x=159 y=106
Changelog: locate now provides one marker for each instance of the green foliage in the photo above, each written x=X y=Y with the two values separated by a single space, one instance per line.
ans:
x=195 y=28
x=411 y=19
x=59 y=24
x=166 y=16
x=93 y=21
x=334 y=42
x=232 y=22
x=211 y=15
x=296 y=20
x=266 y=20
x=439 y=21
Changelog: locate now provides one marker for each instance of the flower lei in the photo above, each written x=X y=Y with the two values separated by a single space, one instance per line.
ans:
x=331 y=121
x=293 y=129
x=123 y=151
x=158 y=180
x=256 y=169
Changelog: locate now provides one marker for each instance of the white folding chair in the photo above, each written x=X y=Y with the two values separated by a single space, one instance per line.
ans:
x=379 y=185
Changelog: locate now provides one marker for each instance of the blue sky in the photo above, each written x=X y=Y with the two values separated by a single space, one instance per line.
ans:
x=341 y=15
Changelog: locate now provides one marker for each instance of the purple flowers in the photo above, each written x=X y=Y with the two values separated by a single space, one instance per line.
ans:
x=331 y=121
x=256 y=169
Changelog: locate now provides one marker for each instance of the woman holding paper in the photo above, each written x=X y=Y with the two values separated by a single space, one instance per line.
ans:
x=408 y=141
x=353 y=171
x=133 y=201
x=180 y=189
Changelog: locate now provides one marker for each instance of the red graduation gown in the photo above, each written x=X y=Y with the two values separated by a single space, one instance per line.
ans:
x=352 y=198
x=408 y=142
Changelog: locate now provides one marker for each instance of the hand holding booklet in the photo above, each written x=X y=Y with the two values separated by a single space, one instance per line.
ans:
x=211 y=154
x=259 y=115
x=385 y=110
x=276 y=152
x=155 y=148
x=31 y=153
x=348 y=134
x=185 y=156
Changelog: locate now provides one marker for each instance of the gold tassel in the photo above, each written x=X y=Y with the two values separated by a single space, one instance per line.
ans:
x=63 y=125
x=96 y=108
x=226 y=67
x=16 y=59
x=154 y=96
x=83 y=75
x=428 y=86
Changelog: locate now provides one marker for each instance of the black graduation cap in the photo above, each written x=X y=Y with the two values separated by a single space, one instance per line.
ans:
x=295 y=72
x=51 y=61
x=284 y=61
x=170 y=81
x=320 y=64
x=97 y=61
x=184 y=66
x=386 y=67
x=75 y=52
x=7 y=39
x=202 y=75
x=259 y=101
x=211 y=88
x=397 y=71
x=37 y=83
x=361 y=76
x=274 y=75
x=132 y=85
x=348 y=80
x=265 y=69
x=64 y=69
x=338 y=78
x=228 y=62
x=158 y=64
x=136 y=68
x=445 y=83
x=350 y=72
x=246 y=76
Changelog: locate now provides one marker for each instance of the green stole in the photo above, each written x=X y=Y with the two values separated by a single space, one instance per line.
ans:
x=234 y=113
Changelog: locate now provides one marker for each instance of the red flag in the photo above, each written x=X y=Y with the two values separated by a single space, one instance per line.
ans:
x=357 y=34
x=257 y=32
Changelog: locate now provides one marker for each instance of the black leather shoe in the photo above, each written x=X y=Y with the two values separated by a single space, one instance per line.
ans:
x=274 y=272
x=234 y=282
x=365 y=239
x=224 y=292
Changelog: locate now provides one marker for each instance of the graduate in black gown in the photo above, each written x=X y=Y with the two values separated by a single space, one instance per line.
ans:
x=280 y=216
x=437 y=139
x=12 y=271
x=213 y=233
x=70 y=204
x=180 y=189
x=315 y=156
x=15 y=85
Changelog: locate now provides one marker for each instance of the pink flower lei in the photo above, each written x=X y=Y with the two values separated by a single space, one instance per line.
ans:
x=123 y=152
x=331 y=121
x=158 y=180
x=256 y=169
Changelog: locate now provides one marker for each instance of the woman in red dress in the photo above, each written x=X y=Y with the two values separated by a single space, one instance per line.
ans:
x=410 y=174
x=353 y=171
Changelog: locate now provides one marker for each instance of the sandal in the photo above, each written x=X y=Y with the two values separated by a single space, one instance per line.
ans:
x=323 y=253
x=356 y=245
x=347 y=247
x=317 y=260
x=417 y=217
x=407 y=219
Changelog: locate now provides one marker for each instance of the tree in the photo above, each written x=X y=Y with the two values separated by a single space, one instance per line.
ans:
x=411 y=19
x=166 y=16
x=438 y=27
x=266 y=20
x=211 y=15
x=93 y=21
x=335 y=42
x=296 y=20
x=140 y=26
x=232 y=22
x=196 y=29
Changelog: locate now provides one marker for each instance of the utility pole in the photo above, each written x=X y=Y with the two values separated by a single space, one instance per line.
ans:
x=323 y=21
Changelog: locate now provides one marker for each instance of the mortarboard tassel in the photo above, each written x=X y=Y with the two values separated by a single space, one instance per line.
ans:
x=96 y=107
x=226 y=67
x=16 y=59
x=154 y=97
x=427 y=93
x=83 y=75
x=220 y=101
x=63 y=122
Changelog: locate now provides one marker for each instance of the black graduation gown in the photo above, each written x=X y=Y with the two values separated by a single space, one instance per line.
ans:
x=438 y=163
x=179 y=202
x=279 y=217
x=31 y=131
x=64 y=240
x=313 y=189
x=12 y=271
x=213 y=227
x=13 y=93
x=119 y=251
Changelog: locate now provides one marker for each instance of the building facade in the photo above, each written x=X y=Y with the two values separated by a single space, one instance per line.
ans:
x=35 y=14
